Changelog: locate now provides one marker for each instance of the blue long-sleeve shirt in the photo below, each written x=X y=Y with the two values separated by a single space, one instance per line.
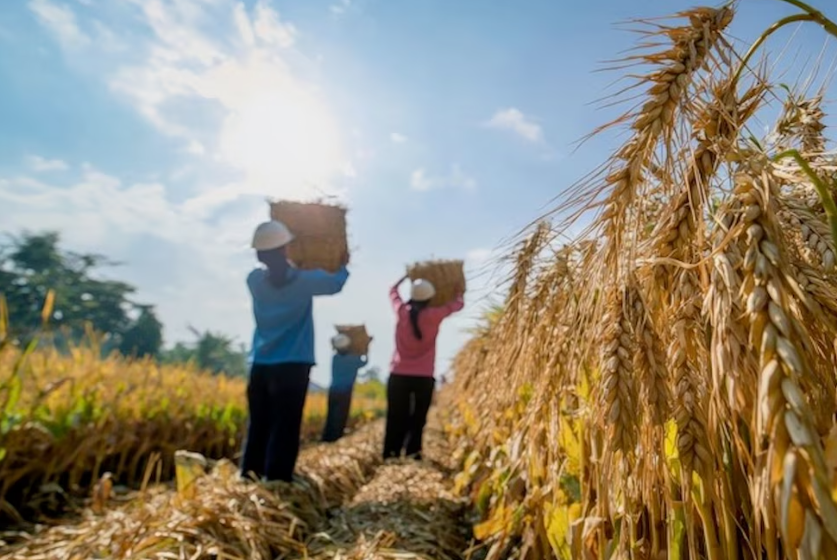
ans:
x=344 y=368
x=284 y=316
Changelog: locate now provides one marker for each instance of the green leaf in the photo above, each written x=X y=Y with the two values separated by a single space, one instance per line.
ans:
x=13 y=385
x=678 y=528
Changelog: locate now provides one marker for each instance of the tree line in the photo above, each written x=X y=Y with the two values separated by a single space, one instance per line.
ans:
x=31 y=264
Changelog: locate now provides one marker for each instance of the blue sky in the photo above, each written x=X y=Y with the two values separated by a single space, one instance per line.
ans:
x=151 y=131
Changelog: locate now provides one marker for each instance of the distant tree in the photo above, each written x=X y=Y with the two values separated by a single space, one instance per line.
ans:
x=370 y=374
x=180 y=353
x=33 y=263
x=144 y=337
x=213 y=352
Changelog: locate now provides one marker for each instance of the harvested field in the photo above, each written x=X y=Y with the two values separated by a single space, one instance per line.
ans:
x=659 y=382
x=406 y=510
x=69 y=419
x=345 y=504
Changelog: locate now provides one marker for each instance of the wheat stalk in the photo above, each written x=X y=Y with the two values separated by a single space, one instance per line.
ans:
x=618 y=390
x=793 y=484
x=691 y=46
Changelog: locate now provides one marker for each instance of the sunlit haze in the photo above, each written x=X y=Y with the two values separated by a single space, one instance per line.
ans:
x=152 y=131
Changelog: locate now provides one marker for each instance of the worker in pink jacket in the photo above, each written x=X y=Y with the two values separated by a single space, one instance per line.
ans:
x=411 y=382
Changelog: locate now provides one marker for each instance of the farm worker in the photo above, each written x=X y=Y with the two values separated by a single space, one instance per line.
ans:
x=344 y=368
x=283 y=352
x=411 y=381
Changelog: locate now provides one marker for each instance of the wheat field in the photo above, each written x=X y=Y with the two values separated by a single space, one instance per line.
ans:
x=668 y=376
x=658 y=384
x=67 y=419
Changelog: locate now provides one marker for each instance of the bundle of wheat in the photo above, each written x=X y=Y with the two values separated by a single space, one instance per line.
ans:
x=359 y=337
x=320 y=238
x=447 y=276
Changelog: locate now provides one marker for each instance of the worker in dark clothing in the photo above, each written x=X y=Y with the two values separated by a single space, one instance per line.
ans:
x=344 y=368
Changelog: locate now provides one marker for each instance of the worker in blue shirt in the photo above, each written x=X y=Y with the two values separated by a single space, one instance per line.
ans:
x=282 y=353
x=344 y=368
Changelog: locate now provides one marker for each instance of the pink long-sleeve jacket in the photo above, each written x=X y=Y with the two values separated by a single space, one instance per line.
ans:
x=413 y=356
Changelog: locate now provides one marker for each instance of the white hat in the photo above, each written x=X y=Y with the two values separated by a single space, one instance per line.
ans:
x=341 y=342
x=422 y=290
x=271 y=235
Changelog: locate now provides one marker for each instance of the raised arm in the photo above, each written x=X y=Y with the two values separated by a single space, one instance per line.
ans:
x=394 y=296
x=322 y=283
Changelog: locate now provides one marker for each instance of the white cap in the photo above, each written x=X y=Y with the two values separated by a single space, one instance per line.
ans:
x=271 y=235
x=341 y=342
x=422 y=290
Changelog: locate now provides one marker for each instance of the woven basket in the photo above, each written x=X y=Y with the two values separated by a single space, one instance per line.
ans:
x=319 y=233
x=447 y=276
x=359 y=337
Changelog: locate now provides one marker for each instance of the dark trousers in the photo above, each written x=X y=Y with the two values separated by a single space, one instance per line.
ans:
x=276 y=397
x=339 y=404
x=408 y=400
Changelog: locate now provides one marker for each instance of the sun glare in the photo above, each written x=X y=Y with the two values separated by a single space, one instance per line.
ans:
x=283 y=138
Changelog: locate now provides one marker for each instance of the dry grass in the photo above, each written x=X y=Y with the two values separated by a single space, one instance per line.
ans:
x=226 y=517
x=345 y=504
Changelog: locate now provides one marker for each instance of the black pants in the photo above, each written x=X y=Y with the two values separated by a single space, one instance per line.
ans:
x=339 y=404
x=408 y=400
x=276 y=397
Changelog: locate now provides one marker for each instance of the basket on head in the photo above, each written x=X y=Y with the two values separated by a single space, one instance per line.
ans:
x=319 y=230
x=359 y=337
x=447 y=276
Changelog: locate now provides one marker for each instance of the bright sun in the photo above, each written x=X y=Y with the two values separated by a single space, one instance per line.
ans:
x=284 y=139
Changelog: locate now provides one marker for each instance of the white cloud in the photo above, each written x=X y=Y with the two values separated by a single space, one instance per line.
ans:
x=270 y=29
x=196 y=148
x=244 y=25
x=349 y=170
x=478 y=256
x=107 y=40
x=514 y=120
x=40 y=165
x=397 y=138
x=175 y=256
x=418 y=181
x=275 y=126
x=99 y=202
x=60 y=20
x=456 y=178
x=340 y=7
